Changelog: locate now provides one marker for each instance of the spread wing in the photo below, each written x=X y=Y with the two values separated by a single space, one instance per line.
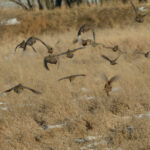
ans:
x=104 y=77
x=17 y=47
x=9 y=90
x=45 y=64
x=94 y=36
x=34 y=49
x=77 y=49
x=81 y=29
x=105 y=57
x=138 y=52
x=63 y=53
x=37 y=39
x=26 y=43
x=23 y=42
x=106 y=46
x=71 y=76
x=77 y=75
x=48 y=47
x=114 y=78
x=116 y=58
x=133 y=7
x=64 y=78
x=34 y=91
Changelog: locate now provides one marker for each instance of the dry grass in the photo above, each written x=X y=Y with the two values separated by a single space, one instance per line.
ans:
x=109 y=15
x=70 y=103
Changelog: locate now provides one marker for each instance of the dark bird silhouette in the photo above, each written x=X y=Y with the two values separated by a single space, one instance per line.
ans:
x=54 y=59
x=115 y=48
x=70 y=53
x=51 y=59
x=85 y=28
x=108 y=84
x=146 y=54
x=112 y=62
x=19 y=88
x=139 y=17
x=72 y=77
x=32 y=40
x=22 y=45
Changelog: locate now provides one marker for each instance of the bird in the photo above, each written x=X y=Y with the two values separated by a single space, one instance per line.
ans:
x=19 y=88
x=112 y=62
x=108 y=84
x=70 y=53
x=146 y=54
x=52 y=59
x=85 y=28
x=115 y=48
x=32 y=40
x=139 y=17
x=22 y=45
x=72 y=77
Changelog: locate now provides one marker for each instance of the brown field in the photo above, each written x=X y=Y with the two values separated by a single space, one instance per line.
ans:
x=81 y=108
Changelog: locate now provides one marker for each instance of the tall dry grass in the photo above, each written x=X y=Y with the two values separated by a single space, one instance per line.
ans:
x=109 y=15
x=82 y=104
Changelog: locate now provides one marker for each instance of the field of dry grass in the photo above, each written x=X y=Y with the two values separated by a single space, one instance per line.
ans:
x=109 y=15
x=77 y=115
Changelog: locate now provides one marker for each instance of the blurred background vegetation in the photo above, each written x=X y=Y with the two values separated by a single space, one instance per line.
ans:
x=51 y=4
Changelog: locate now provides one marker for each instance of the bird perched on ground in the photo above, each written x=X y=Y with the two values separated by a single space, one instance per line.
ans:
x=70 y=53
x=139 y=17
x=112 y=62
x=32 y=40
x=146 y=54
x=85 y=28
x=108 y=84
x=72 y=77
x=19 y=88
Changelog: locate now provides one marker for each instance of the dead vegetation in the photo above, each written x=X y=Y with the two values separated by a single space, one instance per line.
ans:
x=60 y=20
x=77 y=115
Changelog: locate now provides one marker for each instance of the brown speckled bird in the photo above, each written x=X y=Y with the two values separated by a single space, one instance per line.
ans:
x=32 y=40
x=72 y=77
x=108 y=84
x=85 y=28
x=115 y=48
x=51 y=59
x=112 y=62
x=70 y=53
x=139 y=17
x=22 y=45
x=19 y=88
x=146 y=54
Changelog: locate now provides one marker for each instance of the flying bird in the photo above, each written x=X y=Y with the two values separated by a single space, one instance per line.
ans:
x=139 y=17
x=22 y=45
x=72 y=77
x=32 y=40
x=146 y=54
x=70 y=53
x=19 y=88
x=51 y=59
x=108 y=84
x=85 y=28
x=115 y=48
x=112 y=62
